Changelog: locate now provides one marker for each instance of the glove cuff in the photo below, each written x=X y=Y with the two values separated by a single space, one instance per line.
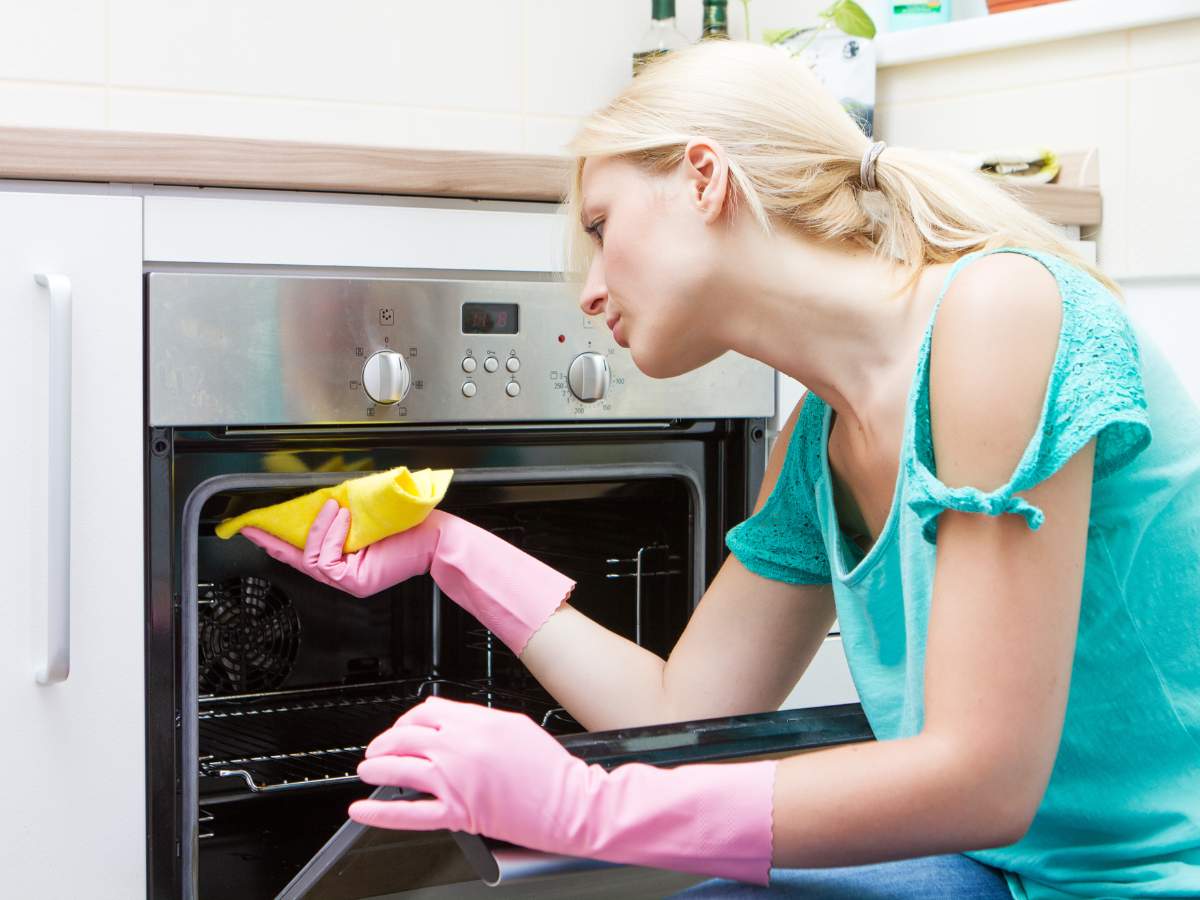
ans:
x=710 y=819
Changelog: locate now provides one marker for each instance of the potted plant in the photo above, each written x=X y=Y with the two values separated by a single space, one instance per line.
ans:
x=840 y=49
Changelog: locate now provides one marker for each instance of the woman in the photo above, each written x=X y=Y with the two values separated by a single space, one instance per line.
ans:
x=970 y=486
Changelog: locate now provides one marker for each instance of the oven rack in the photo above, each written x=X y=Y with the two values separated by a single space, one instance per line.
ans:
x=290 y=740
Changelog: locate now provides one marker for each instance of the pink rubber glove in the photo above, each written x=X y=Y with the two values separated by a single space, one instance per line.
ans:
x=507 y=590
x=498 y=774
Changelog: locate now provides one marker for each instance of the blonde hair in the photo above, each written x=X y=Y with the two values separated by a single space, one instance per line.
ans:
x=793 y=155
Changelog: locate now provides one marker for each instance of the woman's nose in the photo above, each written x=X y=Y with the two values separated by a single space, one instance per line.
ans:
x=594 y=294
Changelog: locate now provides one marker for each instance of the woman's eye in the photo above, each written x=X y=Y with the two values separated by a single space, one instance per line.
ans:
x=596 y=230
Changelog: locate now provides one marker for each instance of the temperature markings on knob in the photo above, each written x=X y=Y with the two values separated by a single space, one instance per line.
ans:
x=355 y=385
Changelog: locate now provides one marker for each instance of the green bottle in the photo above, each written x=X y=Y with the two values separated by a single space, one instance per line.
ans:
x=663 y=36
x=716 y=22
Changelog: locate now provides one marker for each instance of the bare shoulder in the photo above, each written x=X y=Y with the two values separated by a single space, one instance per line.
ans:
x=994 y=343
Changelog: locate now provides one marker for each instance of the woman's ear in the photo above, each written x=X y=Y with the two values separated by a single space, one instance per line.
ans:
x=707 y=175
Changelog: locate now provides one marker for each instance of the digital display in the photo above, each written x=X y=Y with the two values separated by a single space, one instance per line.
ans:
x=489 y=318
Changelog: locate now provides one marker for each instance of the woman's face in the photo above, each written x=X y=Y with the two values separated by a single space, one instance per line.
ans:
x=656 y=253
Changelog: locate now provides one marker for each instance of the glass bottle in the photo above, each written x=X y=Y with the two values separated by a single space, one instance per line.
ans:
x=661 y=38
x=716 y=22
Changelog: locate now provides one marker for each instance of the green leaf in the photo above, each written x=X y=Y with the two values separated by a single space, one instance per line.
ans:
x=779 y=35
x=852 y=19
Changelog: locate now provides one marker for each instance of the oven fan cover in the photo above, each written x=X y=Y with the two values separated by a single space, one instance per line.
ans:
x=249 y=636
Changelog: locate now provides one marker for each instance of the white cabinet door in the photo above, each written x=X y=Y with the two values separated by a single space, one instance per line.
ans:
x=73 y=750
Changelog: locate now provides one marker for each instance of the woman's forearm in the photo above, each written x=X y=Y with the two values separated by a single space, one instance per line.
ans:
x=744 y=648
x=878 y=801
x=602 y=679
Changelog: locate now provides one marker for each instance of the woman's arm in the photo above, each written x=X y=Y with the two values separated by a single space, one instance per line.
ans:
x=1004 y=612
x=745 y=647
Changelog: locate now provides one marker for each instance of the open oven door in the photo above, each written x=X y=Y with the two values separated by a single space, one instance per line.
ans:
x=267 y=767
x=365 y=862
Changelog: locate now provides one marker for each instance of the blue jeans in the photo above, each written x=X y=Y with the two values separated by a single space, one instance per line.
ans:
x=953 y=877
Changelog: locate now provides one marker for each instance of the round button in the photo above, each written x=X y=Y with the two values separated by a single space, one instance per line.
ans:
x=491 y=364
x=469 y=364
x=512 y=389
x=469 y=389
x=513 y=364
x=588 y=377
x=386 y=377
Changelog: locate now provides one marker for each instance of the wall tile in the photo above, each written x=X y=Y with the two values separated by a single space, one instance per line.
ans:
x=1164 y=134
x=456 y=55
x=1165 y=45
x=544 y=134
x=52 y=40
x=1072 y=116
x=334 y=123
x=578 y=53
x=1040 y=64
x=27 y=103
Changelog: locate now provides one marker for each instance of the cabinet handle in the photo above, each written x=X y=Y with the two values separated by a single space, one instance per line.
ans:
x=56 y=664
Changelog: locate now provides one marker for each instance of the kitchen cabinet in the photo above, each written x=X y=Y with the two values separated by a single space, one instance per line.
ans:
x=73 y=753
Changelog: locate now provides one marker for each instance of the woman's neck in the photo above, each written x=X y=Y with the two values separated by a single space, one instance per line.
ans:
x=837 y=319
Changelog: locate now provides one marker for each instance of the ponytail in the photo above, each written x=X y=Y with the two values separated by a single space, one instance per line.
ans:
x=794 y=157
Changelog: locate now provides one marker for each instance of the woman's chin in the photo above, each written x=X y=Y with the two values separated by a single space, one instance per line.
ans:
x=657 y=365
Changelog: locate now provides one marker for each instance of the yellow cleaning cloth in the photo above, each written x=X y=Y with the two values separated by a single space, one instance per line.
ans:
x=381 y=504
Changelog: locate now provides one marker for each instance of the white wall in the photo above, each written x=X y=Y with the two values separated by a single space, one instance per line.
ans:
x=517 y=75
x=504 y=75
x=1133 y=94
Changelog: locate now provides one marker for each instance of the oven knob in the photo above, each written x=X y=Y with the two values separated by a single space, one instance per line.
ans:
x=588 y=377
x=385 y=377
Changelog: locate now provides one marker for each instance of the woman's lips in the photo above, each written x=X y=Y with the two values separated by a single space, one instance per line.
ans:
x=613 y=325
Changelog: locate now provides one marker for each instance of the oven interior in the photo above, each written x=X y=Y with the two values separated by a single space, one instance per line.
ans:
x=295 y=677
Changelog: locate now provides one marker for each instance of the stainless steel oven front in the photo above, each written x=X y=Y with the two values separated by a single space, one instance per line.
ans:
x=264 y=686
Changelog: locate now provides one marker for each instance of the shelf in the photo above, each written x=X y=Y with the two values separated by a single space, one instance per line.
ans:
x=1038 y=25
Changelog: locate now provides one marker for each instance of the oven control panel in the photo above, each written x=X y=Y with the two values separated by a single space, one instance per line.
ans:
x=232 y=349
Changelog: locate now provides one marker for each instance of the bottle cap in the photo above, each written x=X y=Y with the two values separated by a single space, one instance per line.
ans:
x=662 y=9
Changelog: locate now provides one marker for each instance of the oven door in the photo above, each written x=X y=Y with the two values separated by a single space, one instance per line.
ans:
x=359 y=861
x=282 y=681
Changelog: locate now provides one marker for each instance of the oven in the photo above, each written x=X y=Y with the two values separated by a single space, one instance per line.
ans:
x=263 y=686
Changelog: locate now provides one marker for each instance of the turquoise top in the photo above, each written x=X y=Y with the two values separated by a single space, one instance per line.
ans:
x=1121 y=813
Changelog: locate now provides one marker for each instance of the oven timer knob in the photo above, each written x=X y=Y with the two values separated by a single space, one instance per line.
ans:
x=385 y=377
x=588 y=377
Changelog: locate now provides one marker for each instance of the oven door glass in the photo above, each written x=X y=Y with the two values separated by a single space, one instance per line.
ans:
x=284 y=681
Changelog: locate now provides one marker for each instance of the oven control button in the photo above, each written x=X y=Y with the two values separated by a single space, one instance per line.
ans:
x=469 y=364
x=469 y=389
x=512 y=364
x=385 y=377
x=512 y=389
x=588 y=377
x=491 y=364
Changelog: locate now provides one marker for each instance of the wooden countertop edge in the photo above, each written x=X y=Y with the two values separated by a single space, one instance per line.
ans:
x=148 y=158
x=56 y=154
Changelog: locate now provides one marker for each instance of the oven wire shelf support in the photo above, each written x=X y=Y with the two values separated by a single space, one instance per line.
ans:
x=298 y=739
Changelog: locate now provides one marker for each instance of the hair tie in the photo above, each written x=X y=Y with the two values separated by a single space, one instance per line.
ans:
x=866 y=170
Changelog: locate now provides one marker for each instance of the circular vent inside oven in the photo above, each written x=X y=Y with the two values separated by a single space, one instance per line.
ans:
x=249 y=635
